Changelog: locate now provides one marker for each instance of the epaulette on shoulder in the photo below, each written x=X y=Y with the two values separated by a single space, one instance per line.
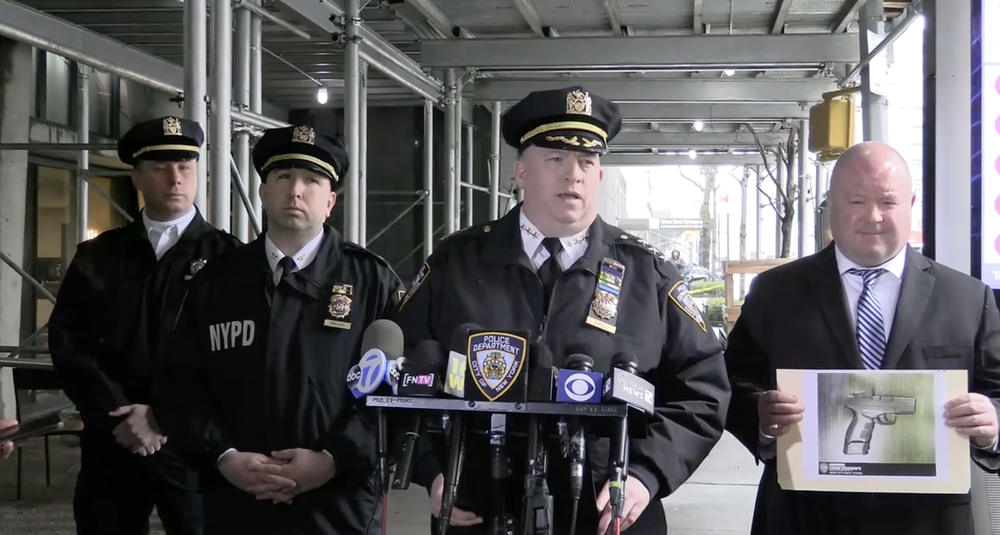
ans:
x=626 y=238
x=468 y=232
x=364 y=251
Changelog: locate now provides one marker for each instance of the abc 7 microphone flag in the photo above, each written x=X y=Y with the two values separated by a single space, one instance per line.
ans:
x=370 y=372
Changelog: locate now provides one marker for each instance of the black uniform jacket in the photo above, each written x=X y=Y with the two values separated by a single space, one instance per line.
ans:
x=796 y=317
x=115 y=303
x=261 y=378
x=482 y=275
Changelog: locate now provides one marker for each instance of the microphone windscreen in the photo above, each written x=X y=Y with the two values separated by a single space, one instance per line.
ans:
x=579 y=361
x=384 y=335
x=625 y=361
x=460 y=338
x=429 y=356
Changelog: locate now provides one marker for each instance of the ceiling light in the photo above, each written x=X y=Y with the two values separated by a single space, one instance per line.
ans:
x=698 y=126
x=321 y=95
x=693 y=154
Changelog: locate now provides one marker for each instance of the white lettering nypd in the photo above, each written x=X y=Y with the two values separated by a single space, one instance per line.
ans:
x=497 y=343
x=231 y=334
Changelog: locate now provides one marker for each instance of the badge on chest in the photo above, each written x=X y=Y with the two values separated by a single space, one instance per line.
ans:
x=338 y=312
x=603 y=312
x=194 y=268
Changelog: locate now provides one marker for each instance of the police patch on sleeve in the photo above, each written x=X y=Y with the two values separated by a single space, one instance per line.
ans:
x=681 y=297
x=418 y=281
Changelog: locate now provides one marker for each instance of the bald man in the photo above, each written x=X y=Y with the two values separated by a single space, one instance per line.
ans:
x=866 y=301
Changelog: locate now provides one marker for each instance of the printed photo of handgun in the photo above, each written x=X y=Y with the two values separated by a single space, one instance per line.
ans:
x=869 y=409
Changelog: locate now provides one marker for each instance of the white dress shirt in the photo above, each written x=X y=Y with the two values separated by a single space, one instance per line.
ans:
x=886 y=287
x=531 y=238
x=302 y=259
x=165 y=234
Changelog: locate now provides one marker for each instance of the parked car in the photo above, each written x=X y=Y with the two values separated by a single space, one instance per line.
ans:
x=692 y=273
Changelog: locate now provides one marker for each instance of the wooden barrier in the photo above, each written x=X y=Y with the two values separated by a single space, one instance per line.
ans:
x=731 y=312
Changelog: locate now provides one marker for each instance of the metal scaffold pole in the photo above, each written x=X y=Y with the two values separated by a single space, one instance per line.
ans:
x=196 y=82
x=352 y=108
x=219 y=131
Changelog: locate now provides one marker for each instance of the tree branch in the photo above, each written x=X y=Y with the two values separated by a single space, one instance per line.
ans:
x=698 y=184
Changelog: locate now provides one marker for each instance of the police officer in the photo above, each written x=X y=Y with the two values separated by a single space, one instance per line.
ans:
x=262 y=350
x=120 y=294
x=554 y=267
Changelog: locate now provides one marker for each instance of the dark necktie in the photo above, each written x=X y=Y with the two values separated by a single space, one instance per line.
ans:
x=285 y=267
x=550 y=270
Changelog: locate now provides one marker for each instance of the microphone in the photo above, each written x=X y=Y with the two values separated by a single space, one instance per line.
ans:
x=619 y=387
x=624 y=386
x=577 y=384
x=422 y=379
x=455 y=386
x=381 y=343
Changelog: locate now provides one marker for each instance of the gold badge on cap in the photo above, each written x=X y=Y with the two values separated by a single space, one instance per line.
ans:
x=172 y=126
x=338 y=313
x=603 y=312
x=578 y=103
x=304 y=134
x=195 y=267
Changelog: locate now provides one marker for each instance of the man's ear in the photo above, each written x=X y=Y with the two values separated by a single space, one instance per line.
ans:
x=520 y=173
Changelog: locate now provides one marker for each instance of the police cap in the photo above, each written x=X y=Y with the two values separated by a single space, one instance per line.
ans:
x=570 y=119
x=167 y=139
x=300 y=147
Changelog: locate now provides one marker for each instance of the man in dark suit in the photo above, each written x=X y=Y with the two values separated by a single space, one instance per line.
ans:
x=867 y=301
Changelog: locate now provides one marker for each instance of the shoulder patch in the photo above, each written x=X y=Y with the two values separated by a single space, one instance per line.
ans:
x=418 y=281
x=681 y=297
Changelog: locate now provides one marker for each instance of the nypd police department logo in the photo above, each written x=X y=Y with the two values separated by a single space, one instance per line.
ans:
x=681 y=297
x=495 y=360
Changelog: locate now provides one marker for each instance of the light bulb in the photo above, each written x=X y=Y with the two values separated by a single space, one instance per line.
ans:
x=729 y=72
x=692 y=154
x=698 y=126
x=321 y=95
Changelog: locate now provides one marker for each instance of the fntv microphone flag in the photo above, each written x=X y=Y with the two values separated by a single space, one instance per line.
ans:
x=497 y=362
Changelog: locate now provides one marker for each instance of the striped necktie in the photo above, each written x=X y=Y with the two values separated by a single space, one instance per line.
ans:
x=870 y=329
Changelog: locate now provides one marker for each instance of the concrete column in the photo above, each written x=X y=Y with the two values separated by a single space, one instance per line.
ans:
x=15 y=105
x=947 y=135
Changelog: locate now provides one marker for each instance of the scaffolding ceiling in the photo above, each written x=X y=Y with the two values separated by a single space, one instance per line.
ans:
x=718 y=62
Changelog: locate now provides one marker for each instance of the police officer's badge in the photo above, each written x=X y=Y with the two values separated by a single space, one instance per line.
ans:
x=339 y=309
x=195 y=267
x=172 y=126
x=495 y=362
x=578 y=103
x=681 y=297
x=603 y=312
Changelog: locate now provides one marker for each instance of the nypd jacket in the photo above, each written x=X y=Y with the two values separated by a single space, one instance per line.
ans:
x=261 y=372
x=481 y=275
x=115 y=303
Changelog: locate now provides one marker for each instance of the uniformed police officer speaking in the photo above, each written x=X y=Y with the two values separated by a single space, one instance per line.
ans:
x=263 y=347
x=120 y=295
x=537 y=268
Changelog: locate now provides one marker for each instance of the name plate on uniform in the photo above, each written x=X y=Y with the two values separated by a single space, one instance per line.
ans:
x=338 y=312
x=603 y=312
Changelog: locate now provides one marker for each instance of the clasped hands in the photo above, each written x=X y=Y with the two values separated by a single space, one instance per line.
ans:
x=972 y=415
x=278 y=477
x=139 y=432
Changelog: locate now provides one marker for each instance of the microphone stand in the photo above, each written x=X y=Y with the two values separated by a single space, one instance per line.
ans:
x=456 y=458
x=538 y=504
x=498 y=473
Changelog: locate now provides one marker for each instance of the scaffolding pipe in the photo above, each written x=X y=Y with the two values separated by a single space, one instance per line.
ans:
x=363 y=155
x=459 y=152
x=469 y=193
x=244 y=198
x=25 y=345
x=352 y=106
x=108 y=198
x=220 y=145
x=495 y=161
x=802 y=154
x=83 y=156
x=897 y=31
x=31 y=364
x=450 y=176
x=241 y=100
x=265 y=14
x=26 y=276
x=411 y=206
x=256 y=100
x=485 y=189
x=196 y=81
x=376 y=63
x=428 y=177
